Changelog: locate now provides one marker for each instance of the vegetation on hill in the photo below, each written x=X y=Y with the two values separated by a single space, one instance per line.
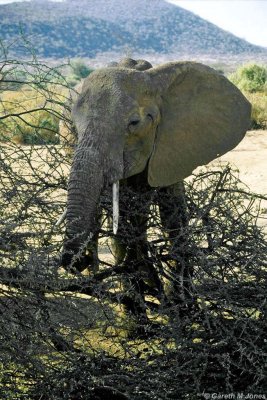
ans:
x=84 y=28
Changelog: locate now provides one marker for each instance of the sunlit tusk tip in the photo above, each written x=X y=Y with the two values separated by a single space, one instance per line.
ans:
x=115 y=197
x=61 y=218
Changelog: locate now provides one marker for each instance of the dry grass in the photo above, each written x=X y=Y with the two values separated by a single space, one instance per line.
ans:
x=259 y=109
x=33 y=115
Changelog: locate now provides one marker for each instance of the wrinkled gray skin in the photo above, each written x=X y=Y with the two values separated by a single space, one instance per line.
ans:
x=159 y=122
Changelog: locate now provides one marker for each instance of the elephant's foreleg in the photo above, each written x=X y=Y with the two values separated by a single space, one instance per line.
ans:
x=173 y=213
x=134 y=240
x=140 y=276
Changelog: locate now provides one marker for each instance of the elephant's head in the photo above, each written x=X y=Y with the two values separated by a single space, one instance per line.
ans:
x=170 y=119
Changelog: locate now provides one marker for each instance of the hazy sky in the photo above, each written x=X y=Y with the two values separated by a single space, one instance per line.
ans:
x=245 y=18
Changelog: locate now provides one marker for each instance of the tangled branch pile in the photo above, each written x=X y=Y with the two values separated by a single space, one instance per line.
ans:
x=71 y=336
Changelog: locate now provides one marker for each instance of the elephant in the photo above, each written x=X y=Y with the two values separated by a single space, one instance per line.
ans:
x=147 y=128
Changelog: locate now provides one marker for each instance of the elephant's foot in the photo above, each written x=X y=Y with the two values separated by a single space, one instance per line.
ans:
x=78 y=264
x=145 y=330
x=107 y=392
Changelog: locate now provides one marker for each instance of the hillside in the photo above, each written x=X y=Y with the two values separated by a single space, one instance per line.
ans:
x=84 y=28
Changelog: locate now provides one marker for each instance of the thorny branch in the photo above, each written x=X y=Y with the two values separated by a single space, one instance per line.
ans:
x=67 y=336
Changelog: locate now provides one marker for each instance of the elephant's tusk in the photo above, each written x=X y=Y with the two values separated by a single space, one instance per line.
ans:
x=61 y=218
x=115 y=198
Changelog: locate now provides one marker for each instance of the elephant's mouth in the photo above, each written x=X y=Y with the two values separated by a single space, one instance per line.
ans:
x=135 y=162
x=115 y=191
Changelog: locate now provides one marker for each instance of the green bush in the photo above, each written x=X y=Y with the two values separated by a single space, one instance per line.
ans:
x=79 y=70
x=250 y=78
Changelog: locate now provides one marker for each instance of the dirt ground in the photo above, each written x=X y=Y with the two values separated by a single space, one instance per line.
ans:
x=250 y=158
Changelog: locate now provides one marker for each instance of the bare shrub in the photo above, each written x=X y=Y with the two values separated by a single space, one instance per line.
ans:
x=66 y=336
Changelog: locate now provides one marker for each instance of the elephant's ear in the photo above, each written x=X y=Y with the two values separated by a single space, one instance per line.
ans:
x=203 y=116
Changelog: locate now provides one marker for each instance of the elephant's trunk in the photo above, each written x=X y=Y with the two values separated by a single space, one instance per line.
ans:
x=85 y=184
x=98 y=161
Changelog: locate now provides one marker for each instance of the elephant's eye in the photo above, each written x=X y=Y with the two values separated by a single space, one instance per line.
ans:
x=133 y=124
